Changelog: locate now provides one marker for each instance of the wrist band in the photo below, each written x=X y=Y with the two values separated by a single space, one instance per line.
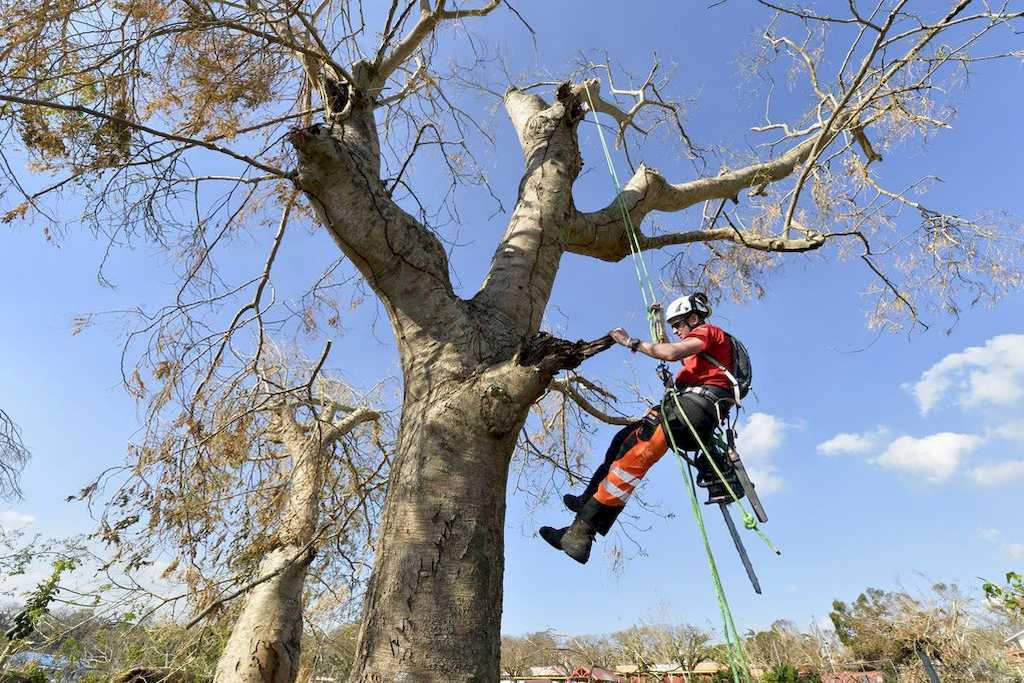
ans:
x=634 y=344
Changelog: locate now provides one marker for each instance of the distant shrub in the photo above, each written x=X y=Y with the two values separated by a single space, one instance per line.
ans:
x=790 y=674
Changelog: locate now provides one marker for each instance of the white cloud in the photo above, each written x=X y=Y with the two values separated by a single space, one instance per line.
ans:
x=935 y=458
x=759 y=438
x=993 y=373
x=1011 y=431
x=765 y=479
x=1014 y=551
x=12 y=519
x=999 y=474
x=846 y=443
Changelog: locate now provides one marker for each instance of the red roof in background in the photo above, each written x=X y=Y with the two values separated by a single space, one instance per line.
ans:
x=595 y=673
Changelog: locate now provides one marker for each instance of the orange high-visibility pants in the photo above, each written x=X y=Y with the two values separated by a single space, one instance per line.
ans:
x=627 y=471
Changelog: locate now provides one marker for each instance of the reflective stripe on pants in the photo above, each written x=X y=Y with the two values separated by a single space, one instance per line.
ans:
x=626 y=472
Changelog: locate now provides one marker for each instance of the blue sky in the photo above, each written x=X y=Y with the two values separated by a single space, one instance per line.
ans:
x=925 y=481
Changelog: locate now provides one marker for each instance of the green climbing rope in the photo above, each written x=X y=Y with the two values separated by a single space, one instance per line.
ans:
x=734 y=646
x=639 y=264
x=749 y=521
x=737 y=657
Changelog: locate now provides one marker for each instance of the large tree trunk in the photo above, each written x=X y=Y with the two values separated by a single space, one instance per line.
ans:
x=433 y=605
x=433 y=608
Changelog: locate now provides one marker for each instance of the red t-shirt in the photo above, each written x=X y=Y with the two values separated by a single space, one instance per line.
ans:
x=697 y=370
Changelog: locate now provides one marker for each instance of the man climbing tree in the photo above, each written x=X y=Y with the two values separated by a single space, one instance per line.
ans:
x=704 y=391
x=198 y=124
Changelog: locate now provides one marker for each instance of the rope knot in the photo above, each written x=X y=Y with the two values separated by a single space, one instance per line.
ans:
x=748 y=520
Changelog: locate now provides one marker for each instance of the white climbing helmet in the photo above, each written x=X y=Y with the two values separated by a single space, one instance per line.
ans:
x=684 y=305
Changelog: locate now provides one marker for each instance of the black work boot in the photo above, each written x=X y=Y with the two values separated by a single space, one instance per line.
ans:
x=706 y=475
x=574 y=503
x=577 y=539
x=553 y=536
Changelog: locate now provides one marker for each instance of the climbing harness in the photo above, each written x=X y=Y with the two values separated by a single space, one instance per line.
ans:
x=738 y=662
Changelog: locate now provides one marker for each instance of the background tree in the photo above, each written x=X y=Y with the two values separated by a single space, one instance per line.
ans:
x=784 y=645
x=243 y=490
x=891 y=630
x=120 y=103
x=332 y=653
x=13 y=457
x=520 y=653
x=682 y=646
x=591 y=651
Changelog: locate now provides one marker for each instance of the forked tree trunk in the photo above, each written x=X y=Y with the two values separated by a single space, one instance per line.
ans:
x=433 y=605
x=265 y=642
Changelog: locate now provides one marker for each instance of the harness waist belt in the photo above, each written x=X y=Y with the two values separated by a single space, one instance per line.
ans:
x=708 y=391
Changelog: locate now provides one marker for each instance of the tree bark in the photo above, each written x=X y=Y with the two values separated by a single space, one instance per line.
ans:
x=433 y=608
x=265 y=642
x=264 y=645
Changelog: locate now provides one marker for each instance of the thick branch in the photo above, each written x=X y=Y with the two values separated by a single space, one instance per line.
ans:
x=521 y=107
x=604 y=234
x=524 y=266
x=813 y=241
x=400 y=258
x=551 y=354
x=345 y=425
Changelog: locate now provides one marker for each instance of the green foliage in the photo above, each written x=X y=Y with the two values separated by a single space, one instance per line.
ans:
x=724 y=676
x=790 y=674
x=1008 y=598
x=30 y=674
x=24 y=622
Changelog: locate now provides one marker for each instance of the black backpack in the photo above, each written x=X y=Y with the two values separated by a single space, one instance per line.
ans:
x=742 y=374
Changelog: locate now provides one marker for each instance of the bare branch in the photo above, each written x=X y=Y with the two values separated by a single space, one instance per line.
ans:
x=604 y=231
x=13 y=457
x=565 y=386
x=429 y=19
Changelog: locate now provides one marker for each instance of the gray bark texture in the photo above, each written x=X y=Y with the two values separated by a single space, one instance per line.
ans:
x=471 y=370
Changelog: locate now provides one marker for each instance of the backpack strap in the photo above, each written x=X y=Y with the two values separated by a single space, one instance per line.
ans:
x=732 y=378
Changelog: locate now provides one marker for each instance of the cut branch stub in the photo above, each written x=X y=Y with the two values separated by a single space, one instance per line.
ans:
x=552 y=354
